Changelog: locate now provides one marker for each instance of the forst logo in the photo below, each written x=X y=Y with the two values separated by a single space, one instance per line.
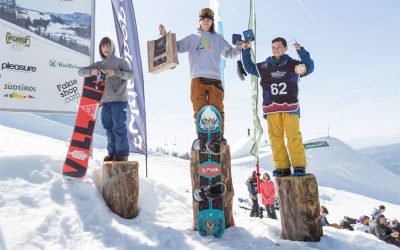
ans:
x=18 y=43
x=20 y=40
x=17 y=67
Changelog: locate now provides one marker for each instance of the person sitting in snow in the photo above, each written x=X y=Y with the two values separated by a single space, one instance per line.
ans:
x=251 y=184
x=378 y=228
x=377 y=211
x=362 y=224
x=280 y=75
x=323 y=213
x=324 y=221
x=395 y=225
x=268 y=195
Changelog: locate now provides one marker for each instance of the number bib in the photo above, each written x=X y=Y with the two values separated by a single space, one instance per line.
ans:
x=280 y=87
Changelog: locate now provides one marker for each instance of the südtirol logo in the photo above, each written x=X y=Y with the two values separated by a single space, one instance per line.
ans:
x=18 y=43
x=53 y=63
x=17 y=67
x=69 y=90
x=19 y=87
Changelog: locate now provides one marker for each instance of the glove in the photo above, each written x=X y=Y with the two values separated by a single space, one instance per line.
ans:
x=240 y=70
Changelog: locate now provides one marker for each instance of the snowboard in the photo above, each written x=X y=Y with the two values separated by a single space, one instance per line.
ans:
x=76 y=161
x=211 y=218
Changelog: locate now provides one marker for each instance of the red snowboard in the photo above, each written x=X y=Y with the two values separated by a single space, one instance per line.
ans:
x=77 y=159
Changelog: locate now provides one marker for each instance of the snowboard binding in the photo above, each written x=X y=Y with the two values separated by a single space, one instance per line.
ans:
x=211 y=192
x=207 y=147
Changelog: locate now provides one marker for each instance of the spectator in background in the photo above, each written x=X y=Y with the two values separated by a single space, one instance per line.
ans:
x=323 y=213
x=395 y=225
x=377 y=211
x=378 y=228
x=251 y=184
x=362 y=224
x=324 y=221
x=268 y=195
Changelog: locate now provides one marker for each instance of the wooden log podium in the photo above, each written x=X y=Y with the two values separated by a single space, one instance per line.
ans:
x=162 y=53
x=299 y=208
x=226 y=179
x=121 y=187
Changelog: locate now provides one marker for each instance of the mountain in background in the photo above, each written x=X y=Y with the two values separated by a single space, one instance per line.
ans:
x=388 y=156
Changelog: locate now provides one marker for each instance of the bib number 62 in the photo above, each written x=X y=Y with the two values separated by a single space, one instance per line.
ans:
x=278 y=88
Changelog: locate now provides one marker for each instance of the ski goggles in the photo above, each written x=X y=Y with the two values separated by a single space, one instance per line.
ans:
x=206 y=13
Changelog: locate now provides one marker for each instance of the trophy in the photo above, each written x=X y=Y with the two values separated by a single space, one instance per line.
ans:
x=162 y=53
x=237 y=40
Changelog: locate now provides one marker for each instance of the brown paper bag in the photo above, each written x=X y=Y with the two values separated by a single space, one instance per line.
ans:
x=162 y=53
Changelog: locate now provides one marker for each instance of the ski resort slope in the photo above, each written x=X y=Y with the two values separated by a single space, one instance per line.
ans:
x=337 y=166
x=38 y=210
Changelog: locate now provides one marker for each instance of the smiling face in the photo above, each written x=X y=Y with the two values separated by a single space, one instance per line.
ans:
x=278 y=49
x=205 y=24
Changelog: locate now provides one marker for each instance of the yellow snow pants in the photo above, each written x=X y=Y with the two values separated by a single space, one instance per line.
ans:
x=280 y=124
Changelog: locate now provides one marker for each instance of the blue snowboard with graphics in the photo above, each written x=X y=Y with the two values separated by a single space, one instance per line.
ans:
x=210 y=219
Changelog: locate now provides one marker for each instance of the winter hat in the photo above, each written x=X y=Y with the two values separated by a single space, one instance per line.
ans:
x=254 y=174
x=382 y=207
x=266 y=176
x=206 y=13
x=379 y=216
x=363 y=219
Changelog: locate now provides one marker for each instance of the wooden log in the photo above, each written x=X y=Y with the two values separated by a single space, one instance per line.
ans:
x=299 y=208
x=121 y=187
x=226 y=179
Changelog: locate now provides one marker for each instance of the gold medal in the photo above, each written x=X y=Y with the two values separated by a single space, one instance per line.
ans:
x=300 y=69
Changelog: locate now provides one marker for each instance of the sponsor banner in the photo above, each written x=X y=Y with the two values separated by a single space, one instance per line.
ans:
x=128 y=42
x=42 y=48
x=317 y=144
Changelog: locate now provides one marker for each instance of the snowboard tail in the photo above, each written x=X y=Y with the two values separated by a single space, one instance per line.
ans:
x=77 y=158
x=211 y=219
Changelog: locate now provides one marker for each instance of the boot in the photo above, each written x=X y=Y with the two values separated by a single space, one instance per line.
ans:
x=120 y=158
x=299 y=171
x=108 y=158
x=281 y=172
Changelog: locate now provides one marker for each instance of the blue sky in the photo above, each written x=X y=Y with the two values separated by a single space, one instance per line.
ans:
x=355 y=46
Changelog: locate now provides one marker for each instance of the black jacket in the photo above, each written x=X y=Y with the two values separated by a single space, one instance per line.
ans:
x=252 y=186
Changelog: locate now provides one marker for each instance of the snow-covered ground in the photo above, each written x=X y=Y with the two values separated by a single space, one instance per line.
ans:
x=38 y=210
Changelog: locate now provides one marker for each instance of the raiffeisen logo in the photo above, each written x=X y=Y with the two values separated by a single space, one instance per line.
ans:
x=53 y=63
x=17 y=67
